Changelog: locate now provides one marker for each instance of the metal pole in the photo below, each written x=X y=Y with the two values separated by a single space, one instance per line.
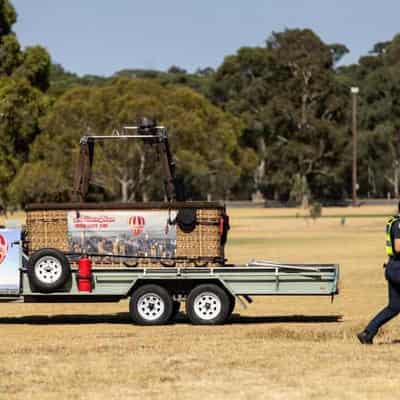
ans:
x=354 y=92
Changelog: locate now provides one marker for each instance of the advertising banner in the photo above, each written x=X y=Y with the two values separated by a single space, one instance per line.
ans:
x=9 y=261
x=140 y=233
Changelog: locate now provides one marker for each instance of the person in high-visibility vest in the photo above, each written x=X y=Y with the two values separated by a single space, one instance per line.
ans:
x=392 y=274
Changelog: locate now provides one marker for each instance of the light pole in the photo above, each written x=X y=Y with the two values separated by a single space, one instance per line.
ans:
x=354 y=91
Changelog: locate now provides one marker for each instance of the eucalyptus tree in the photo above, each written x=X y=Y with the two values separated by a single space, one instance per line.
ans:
x=203 y=137
x=23 y=80
x=294 y=108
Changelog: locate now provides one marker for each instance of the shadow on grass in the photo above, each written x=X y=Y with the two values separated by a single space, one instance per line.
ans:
x=72 y=319
x=396 y=341
x=278 y=319
x=123 y=318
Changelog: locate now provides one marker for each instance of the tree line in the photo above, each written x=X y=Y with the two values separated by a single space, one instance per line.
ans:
x=272 y=121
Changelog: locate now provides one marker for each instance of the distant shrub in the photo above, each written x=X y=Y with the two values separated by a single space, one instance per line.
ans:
x=315 y=210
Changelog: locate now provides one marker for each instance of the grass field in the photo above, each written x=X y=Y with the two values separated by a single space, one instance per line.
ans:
x=279 y=348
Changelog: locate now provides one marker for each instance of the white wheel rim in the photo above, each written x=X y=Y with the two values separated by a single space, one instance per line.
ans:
x=48 y=269
x=150 y=306
x=207 y=305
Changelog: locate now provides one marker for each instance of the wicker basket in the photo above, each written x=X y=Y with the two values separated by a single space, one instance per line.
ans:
x=47 y=226
x=204 y=240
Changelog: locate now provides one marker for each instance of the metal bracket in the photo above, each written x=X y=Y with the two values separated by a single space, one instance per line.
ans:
x=242 y=303
x=248 y=298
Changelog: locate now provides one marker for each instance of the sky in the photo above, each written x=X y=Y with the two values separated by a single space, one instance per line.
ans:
x=102 y=36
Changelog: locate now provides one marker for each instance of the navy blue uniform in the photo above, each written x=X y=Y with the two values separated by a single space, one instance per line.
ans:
x=392 y=274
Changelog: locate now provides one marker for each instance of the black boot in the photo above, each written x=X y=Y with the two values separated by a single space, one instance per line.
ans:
x=365 y=337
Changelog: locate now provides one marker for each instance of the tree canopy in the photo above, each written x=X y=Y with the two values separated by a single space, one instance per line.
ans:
x=289 y=97
x=203 y=137
x=272 y=120
x=24 y=77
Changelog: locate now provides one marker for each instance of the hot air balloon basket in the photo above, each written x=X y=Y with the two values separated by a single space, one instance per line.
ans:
x=118 y=237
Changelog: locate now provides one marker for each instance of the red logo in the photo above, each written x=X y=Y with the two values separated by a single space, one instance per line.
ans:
x=3 y=248
x=137 y=224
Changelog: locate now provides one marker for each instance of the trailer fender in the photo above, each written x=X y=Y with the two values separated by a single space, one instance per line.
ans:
x=227 y=287
x=233 y=294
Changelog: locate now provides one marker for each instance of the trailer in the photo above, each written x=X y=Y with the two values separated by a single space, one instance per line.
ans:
x=156 y=294
x=158 y=255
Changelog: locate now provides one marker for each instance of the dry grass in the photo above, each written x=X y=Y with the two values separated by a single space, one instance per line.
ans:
x=297 y=348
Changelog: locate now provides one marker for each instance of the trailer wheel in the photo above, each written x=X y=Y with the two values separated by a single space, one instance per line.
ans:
x=48 y=270
x=208 y=304
x=151 y=305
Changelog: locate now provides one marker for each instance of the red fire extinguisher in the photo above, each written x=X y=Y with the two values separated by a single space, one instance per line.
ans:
x=85 y=274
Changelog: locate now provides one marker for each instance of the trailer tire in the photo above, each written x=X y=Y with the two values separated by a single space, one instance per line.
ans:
x=48 y=270
x=208 y=304
x=151 y=305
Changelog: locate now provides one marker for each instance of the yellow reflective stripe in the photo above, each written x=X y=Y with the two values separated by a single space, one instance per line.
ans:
x=389 y=243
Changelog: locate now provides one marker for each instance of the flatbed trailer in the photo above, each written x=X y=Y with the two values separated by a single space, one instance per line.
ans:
x=156 y=294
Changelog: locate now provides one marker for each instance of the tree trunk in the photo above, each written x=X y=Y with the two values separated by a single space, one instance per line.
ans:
x=397 y=165
x=304 y=99
x=142 y=186
x=396 y=179
x=304 y=201
x=259 y=173
x=124 y=190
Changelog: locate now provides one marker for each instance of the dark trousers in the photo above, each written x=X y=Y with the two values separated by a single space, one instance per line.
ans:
x=392 y=274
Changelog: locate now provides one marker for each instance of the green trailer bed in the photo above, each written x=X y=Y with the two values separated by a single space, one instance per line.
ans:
x=317 y=280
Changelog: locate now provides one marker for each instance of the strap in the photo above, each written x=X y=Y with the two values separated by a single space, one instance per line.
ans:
x=391 y=221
